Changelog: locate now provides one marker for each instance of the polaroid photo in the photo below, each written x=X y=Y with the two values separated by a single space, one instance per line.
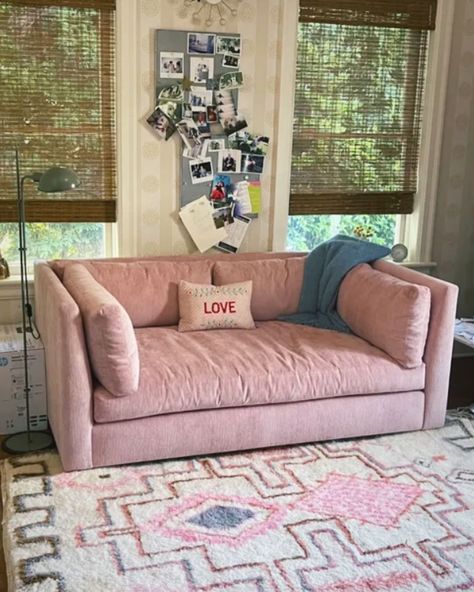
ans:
x=201 y=43
x=221 y=190
x=229 y=161
x=231 y=80
x=252 y=163
x=232 y=124
x=230 y=61
x=249 y=143
x=171 y=64
x=189 y=133
x=171 y=109
x=172 y=93
x=200 y=97
x=201 y=170
x=195 y=152
x=201 y=70
x=216 y=144
x=228 y=44
x=211 y=114
x=161 y=124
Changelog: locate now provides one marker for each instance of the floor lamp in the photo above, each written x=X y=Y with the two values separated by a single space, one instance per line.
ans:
x=54 y=180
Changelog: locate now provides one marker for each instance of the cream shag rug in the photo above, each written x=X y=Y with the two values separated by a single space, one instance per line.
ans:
x=393 y=513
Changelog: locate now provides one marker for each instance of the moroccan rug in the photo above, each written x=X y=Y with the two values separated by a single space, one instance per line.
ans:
x=393 y=513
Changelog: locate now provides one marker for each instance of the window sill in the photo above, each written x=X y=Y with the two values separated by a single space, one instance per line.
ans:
x=10 y=289
x=417 y=264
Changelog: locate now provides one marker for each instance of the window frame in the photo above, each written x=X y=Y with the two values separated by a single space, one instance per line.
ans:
x=414 y=230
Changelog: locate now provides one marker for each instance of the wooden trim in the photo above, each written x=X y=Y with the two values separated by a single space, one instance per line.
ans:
x=64 y=210
x=397 y=202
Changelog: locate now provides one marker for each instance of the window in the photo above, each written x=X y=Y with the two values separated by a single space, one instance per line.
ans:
x=54 y=241
x=358 y=103
x=58 y=108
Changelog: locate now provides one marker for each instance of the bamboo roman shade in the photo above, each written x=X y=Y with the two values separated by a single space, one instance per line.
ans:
x=359 y=91
x=57 y=89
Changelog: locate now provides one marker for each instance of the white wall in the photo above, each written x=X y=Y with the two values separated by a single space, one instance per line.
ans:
x=453 y=242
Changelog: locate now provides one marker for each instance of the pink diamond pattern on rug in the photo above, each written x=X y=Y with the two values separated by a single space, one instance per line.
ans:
x=216 y=519
x=380 y=502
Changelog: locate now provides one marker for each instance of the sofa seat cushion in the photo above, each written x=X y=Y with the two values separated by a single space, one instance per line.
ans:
x=276 y=363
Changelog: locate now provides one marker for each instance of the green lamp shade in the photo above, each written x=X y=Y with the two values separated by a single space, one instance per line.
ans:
x=58 y=179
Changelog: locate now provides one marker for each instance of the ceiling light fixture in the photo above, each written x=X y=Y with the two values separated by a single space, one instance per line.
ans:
x=209 y=9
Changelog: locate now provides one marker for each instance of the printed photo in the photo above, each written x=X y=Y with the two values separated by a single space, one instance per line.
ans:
x=161 y=124
x=249 y=144
x=233 y=123
x=172 y=93
x=221 y=190
x=171 y=109
x=215 y=144
x=187 y=111
x=230 y=61
x=200 y=119
x=201 y=170
x=223 y=216
x=231 y=80
x=201 y=43
x=171 y=64
x=228 y=44
x=201 y=70
x=195 y=152
x=229 y=161
x=223 y=97
x=211 y=113
x=189 y=133
x=251 y=163
x=200 y=97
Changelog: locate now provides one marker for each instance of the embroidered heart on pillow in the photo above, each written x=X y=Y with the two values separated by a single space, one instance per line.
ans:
x=203 y=306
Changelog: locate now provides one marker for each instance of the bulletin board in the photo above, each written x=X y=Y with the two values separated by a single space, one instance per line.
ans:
x=197 y=82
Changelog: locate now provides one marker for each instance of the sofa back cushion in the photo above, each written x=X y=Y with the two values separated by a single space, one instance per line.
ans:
x=148 y=290
x=111 y=341
x=276 y=283
x=388 y=312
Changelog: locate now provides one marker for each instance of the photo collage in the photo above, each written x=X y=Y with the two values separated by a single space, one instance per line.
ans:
x=196 y=99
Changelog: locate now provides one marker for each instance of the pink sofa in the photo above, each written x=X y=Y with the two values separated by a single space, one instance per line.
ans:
x=214 y=391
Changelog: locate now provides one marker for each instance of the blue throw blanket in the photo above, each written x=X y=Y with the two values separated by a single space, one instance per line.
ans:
x=324 y=270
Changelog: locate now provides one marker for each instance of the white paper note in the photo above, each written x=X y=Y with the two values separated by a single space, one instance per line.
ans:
x=197 y=218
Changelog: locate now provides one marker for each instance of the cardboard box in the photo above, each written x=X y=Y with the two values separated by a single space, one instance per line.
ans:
x=12 y=383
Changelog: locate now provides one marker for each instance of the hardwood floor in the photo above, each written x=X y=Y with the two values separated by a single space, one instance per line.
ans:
x=3 y=572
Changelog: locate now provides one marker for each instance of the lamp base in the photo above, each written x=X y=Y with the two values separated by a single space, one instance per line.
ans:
x=27 y=442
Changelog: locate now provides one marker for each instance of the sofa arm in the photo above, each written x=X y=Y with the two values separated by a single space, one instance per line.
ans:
x=439 y=342
x=69 y=381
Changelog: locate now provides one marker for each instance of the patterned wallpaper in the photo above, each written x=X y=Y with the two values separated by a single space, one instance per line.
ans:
x=259 y=23
x=453 y=245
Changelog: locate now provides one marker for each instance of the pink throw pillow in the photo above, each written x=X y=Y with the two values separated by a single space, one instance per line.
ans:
x=388 y=312
x=111 y=341
x=276 y=286
x=203 y=306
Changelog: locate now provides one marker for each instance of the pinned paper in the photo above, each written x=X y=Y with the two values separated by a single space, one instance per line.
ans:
x=235 y=234
x=197 y=217
x=255 y=193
